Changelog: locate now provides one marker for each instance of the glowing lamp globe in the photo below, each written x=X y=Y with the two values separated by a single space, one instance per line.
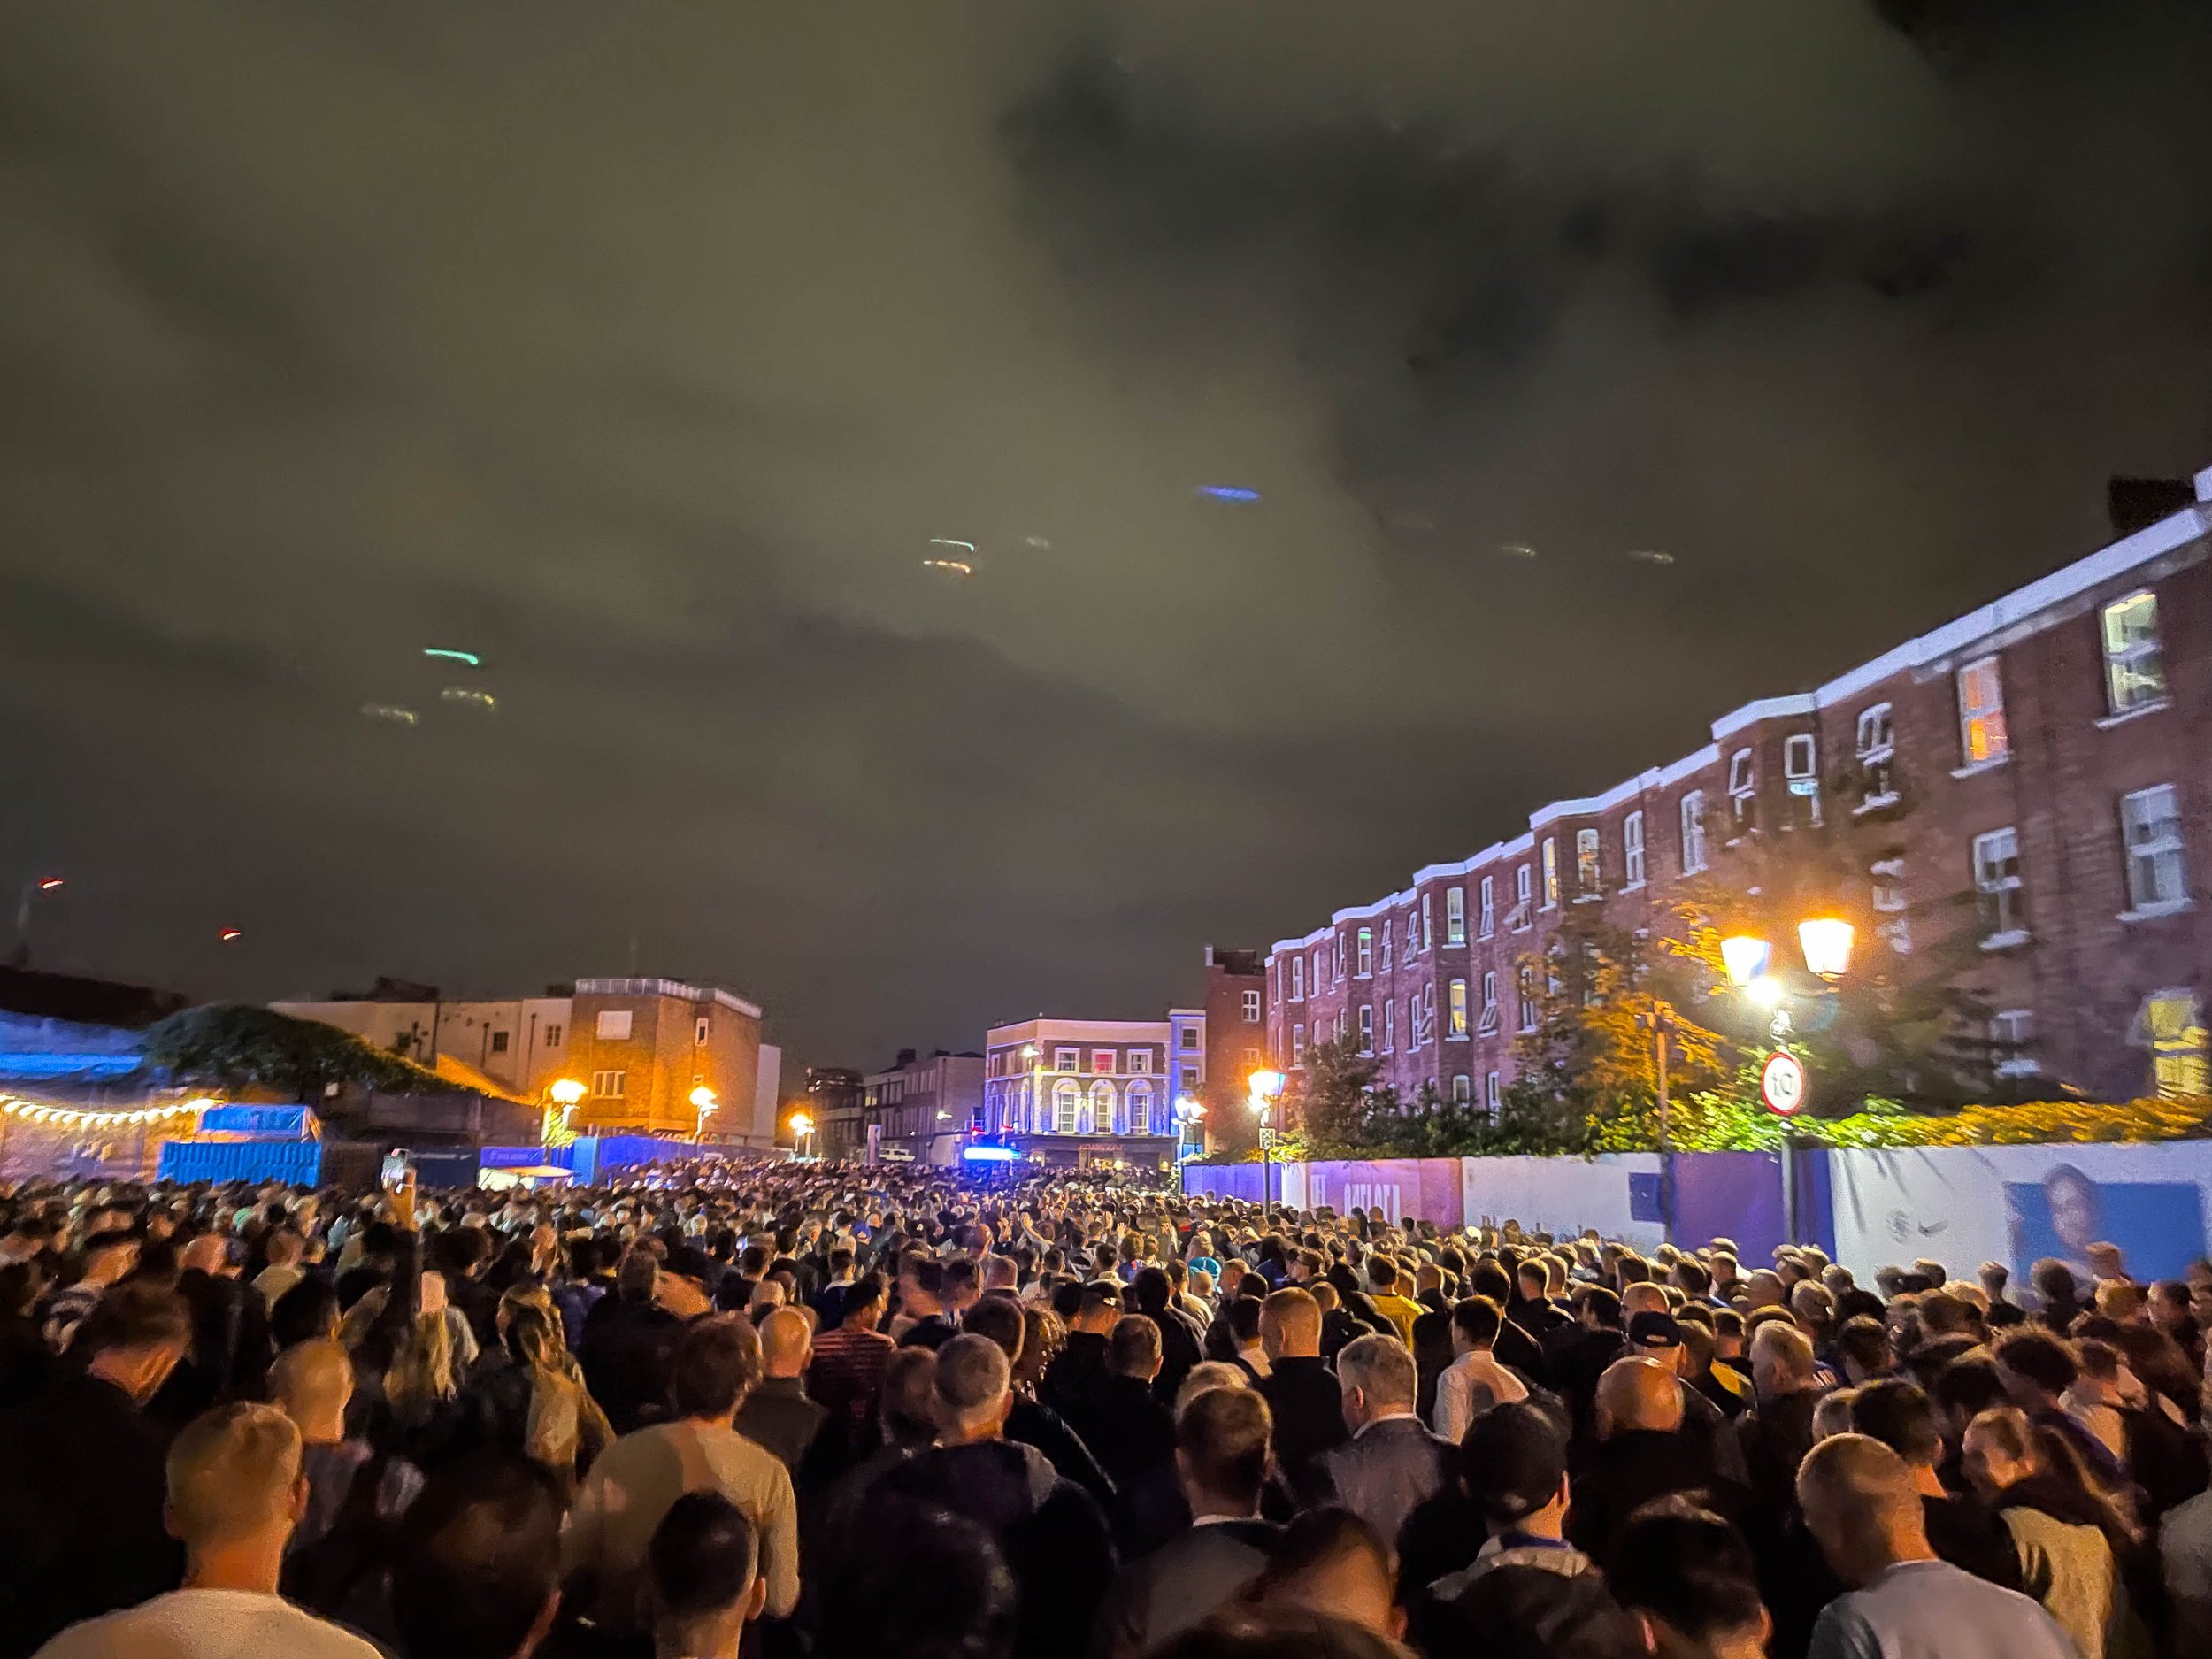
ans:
x=1745 y=957
x=1826 y=942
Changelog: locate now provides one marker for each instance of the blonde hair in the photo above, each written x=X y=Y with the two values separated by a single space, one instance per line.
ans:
x=231 y=1472
x=421 y=1376
x=312 y=1379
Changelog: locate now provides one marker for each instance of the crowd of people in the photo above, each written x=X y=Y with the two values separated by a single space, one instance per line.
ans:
x=794 y=1410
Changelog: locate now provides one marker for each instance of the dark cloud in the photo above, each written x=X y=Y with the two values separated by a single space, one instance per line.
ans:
x=644 y=352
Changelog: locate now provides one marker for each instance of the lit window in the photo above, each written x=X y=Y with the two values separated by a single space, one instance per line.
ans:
x=1251 y=1007
x=1889 y=903
x=1877 y=749
x=1454 y=916
x=2011 y=1038
x=1067 y=1105
x=1587 y=869
x=2173 y=1023
x=1067 y=1059
x=1633 y=849
x=1490 y=1091
x=1366 y=953
x=1366 y=1028
x=1693 y=832
x=1428 y=933
x=1390 y=1025
x=1139 y=1109
x=1526 y=983
x=1462 y=1089
x=1524 y=881
x=700 y=1032
x=1982 y=735
x=1743 y=792
x=1428 y=1012
x=613 y=1024
x=2134 y=672
x=1551 y=871
x=1459 y=1008
x=1297 y=978
x=2002 y=894
x=1103 y=1060
x=1489 y=1021
x=2158 y=872
x=1488 y=923
x=609 y=1085
x=1140 y=1059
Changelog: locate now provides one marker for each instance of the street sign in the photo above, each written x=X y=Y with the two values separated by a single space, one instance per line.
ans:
x=1267 y=1134
x=1782 y=1084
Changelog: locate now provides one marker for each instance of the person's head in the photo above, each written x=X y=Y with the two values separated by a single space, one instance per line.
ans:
x=1243 y=1315
x=1097 y=1313
x=1900 y=1416
x=973 y=1388
x=1377 y=1378
x=1221 y=1450
x=234 y=1494
x=477 y=1573
x=1864 y=1347
x=2076 y=1218
x=1000 y=1318
x=312 y=1383
x=908 y=1404
x=703 y=1564
x=1329 y=1561
x=787 y=1343
x=1782 y=1361
x=1860 y=1502
x=1601 y=1309
x=1692 y=1277
x=1643 y=1296
x=1476 y=1323
x=1763 y=1289
x=106 y=1256
x=1657 y=1337
x=1513 y=1463
x=1207 y=1374
x=2035 y=1368
x=1134 y=1349
x=1637 y=1393
x=718 y=1363
x=1290 y=1325
x=308 y=1312
x=1687 y=1574
x=135 y=1336
x=933 y=1585
x=1831 y=1412
x=2000 y=1451
x=286 y=1246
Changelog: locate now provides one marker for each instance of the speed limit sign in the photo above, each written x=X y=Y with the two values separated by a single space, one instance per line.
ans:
x=1782 y=1084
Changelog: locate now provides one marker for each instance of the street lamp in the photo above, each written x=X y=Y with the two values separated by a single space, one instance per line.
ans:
x=703 y=1100
x=1267 y=1088
x=801 y=1132
x=1746 y=958
x=567 y=1093
x=1826 y=942
x=31 y=889
x=1188 y=1115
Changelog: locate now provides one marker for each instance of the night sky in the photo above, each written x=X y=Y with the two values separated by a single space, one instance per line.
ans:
x=643 y=350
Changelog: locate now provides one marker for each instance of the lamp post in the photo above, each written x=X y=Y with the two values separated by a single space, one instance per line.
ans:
x=1266 y=1087
x=801 y=1133
x=1188 y=1115
x=703 y=1100
x=567 y=1095
x=1825 y=942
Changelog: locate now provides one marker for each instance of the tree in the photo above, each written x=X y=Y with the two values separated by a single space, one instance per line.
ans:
x=1333 y=1099
x=236 y=1045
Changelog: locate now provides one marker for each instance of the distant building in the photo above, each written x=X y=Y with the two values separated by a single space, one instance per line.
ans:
x=923 y=1112
x=1236 y=1030
x=833 y=1100
x=641 y=1048
x=1093 y=1092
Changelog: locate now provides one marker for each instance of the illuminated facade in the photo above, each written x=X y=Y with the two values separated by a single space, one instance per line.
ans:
x=1093 y=1092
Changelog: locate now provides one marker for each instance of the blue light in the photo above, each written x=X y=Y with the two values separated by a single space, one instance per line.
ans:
x=1228 y=492
x=989 y=1154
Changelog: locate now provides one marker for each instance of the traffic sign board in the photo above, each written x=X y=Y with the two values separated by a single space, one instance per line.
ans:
x=1782 y=1084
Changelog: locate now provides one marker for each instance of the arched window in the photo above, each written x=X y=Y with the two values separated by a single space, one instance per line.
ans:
x=1099 y=1117
x=1067 y=1100
x=1139 y=1098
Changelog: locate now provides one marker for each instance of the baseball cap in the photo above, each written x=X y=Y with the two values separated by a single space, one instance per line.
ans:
x=1513 y=1459
x=1655 y=1330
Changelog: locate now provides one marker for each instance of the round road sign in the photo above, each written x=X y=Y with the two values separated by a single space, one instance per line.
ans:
x=1782 y=1084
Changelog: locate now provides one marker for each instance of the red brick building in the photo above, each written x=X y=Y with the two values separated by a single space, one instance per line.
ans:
x=2052 y=745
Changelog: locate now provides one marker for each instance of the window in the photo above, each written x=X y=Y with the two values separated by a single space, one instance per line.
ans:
x=1428 y=1012
x=1366 y=1028
x=1251 y=1012
x=609 y=1085
x=2158 y=872
x=1799 y=757
x=2003 y=895
x=1889 y=904
x=1457 y=1012
x=1490 y=1091
x=1139 y=1103
x=1693 y=832
x=1462 y=1089
x=1190 y=1036
x=2173 y=1023
x=1525 y=982
x=1454 y=916
x=1390 y=1025
x=553 y=1035
x=1587 y=872
x=1067 y=1059
x=1337 y=944
x=1098 y=1114
x=1103 y=1060
x=1413 y=934
x=1551 y=871
x=1190 y=1079
x=614 y=1024
x=1385 y=946
x=2134 y=673
x=1489 y=1021
x=1523 y=887
x=1067 y=1105
x=1488 y=909
x=499 y=1041
x=1251 y=1060
x=1366 y=953
x=700 y=1031
x=1298 y=1042
x=1743 y=792
x=1983 y=739
x=2011 y=1035
x=1297 y=978
x=1318 y=979
x=1428 y=933
x=1633 y=849
x=1140 y=1060
x=1877 y=752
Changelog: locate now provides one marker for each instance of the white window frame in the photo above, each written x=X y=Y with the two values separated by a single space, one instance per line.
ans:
x=1633 y=850
x=1743 y=791
x=1386 y=933
x=1491 y=1098
x=702 y=1029
x=1413 y=933
x=1367 y=1028
x=1462 y=1089
x=1366 y=949
x=1428 y=929
x=1251 y=1007
x=1800 y=756
x=2134 y=664
x=1113 y=1062
x=1138 y=1061
x=1692 y=814
x=1875 y=744
x=612 y=1083
x=1887 y=898
x=1390 y=1025
x=2012 y=1034
x=1454 y=916
x=1320 y=961
x=1487 y=909
x=1298 y=978
x=1980 y=687
x=1298 y=1041
x=1456 y=1009
x=2002 y=892
x=1524 y=897
x=1550 y=854
x=1589 y=863
x=2156 y=852
x=1068 y=1060
x=1525 y=993
x=1487 y=1025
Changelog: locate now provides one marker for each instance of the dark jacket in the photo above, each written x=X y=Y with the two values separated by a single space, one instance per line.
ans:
x=1072 y=1458
x=82 y=1489
x=230 y=1353
x=1077 y=1372
x=1051 y=1534
x=778 y=1415
x=1133 y=1436
x=1621 y=1475
x=1775 y=1438
x=1308 y=1412
x=1383 y=1472
x=1968 y=1533
x=1179 y=1353
x=629 y=1349
x=1179 y=1584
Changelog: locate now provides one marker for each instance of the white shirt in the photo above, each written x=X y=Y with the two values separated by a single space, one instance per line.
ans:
x=208 y=1624
x=1455 y=1407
